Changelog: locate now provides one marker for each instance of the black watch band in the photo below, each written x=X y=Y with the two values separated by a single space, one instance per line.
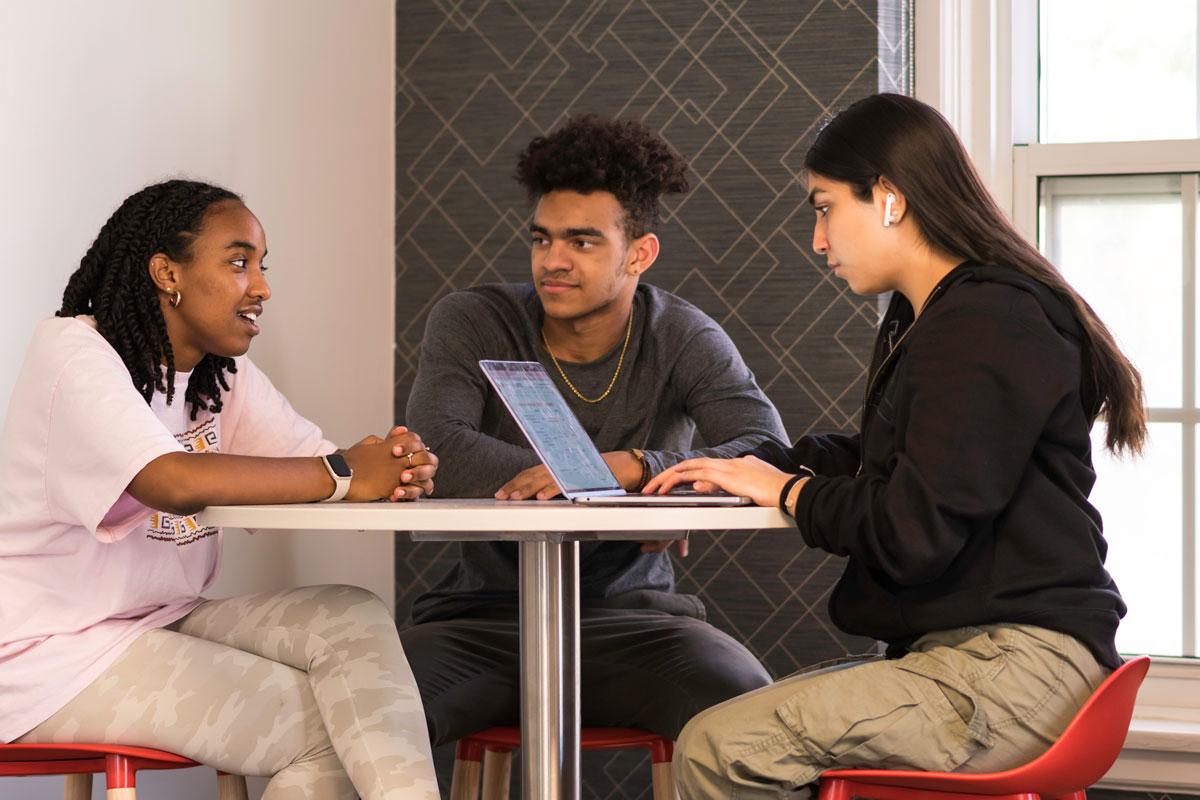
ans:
x=804 y=472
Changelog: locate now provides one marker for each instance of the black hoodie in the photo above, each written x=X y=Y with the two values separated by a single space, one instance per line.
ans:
x=963 y=501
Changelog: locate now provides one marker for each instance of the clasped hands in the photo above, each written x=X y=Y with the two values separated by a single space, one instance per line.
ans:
x=396 y=467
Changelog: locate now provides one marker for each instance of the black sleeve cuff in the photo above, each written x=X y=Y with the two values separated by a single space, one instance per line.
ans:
x=804 y=511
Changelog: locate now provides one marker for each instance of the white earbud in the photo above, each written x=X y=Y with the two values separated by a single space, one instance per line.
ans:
x=888 y=202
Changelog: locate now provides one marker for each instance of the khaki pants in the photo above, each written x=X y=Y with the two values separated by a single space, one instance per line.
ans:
x=970 y=699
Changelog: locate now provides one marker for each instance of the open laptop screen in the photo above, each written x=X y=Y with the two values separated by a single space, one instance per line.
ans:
x=552 y=428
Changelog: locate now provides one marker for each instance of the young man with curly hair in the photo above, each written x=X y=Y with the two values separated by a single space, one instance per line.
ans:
x=645 y=372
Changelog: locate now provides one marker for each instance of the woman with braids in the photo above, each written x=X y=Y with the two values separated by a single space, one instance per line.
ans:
x=961 y=503
x=137 y=407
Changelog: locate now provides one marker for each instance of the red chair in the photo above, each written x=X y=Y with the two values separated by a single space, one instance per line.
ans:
x=119 y=763
x=1080 y=757
x=495 y=745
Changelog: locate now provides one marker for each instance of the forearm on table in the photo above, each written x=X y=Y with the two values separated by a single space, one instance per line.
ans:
x=825 y=455
x=662 y=459
x=184 y=483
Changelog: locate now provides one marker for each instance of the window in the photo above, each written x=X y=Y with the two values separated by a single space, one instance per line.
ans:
x=1120 y=241
x=1094 y=51
x=1108 y=189
x=1113 y=201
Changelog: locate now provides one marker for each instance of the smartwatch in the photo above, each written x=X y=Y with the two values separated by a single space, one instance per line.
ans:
x=341 y=473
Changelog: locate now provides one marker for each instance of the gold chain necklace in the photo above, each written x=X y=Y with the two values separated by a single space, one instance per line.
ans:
x=611 y=384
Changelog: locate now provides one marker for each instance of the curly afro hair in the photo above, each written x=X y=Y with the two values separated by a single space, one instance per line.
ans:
x=590 y=153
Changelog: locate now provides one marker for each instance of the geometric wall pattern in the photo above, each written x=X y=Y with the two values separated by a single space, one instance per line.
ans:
x=739 y=88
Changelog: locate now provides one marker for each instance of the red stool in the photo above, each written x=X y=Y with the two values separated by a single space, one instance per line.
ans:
x=494 y=747
x=119 y=763
x=1083 y=753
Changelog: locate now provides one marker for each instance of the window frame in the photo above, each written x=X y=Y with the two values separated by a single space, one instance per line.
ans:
x=976 y=62
x=1184 y=413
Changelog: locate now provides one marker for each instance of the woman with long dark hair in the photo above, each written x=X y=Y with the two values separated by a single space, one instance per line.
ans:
x=961 y=503
x=104 y=633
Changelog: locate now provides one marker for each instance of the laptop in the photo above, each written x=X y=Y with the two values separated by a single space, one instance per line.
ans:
x=560 y=441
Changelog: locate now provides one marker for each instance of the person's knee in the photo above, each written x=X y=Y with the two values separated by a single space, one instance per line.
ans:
x=659 y=673
x=737 y=675
x=692 y=739
x=722 y=667
x=341 y=596
x=342 y=601
x=424 y=645
x=697 y=753
x=428 y=651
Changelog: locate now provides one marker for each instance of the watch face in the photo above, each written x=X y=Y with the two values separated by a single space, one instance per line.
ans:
x=339 y=466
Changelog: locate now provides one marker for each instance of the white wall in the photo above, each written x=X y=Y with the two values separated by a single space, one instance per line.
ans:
x=288 y=102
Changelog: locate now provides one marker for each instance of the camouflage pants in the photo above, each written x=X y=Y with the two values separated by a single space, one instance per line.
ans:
x=310 y=686
x=970 y=699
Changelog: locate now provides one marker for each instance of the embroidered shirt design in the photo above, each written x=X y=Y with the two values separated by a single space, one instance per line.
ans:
x=202 y=438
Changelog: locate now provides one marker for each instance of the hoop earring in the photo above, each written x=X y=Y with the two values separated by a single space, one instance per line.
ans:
x=176 y=298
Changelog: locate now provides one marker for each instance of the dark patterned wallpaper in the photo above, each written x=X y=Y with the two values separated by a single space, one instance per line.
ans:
x=739 y=88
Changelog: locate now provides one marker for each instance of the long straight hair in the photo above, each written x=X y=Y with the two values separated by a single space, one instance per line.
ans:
x=914 y=147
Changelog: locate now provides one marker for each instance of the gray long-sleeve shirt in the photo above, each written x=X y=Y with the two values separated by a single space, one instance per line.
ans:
x=682 y=377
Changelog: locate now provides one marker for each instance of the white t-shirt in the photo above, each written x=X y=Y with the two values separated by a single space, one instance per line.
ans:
x=84 y=567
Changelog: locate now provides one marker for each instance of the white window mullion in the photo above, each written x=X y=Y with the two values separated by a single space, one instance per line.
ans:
x=1113 y=158
x=1025 y=195
x=1190 y=190
x=1188 y=561
x=964 y=68
x=1179 y=416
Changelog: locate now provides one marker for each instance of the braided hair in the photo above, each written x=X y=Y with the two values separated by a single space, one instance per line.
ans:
x=620 y=156
x=113 y=284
